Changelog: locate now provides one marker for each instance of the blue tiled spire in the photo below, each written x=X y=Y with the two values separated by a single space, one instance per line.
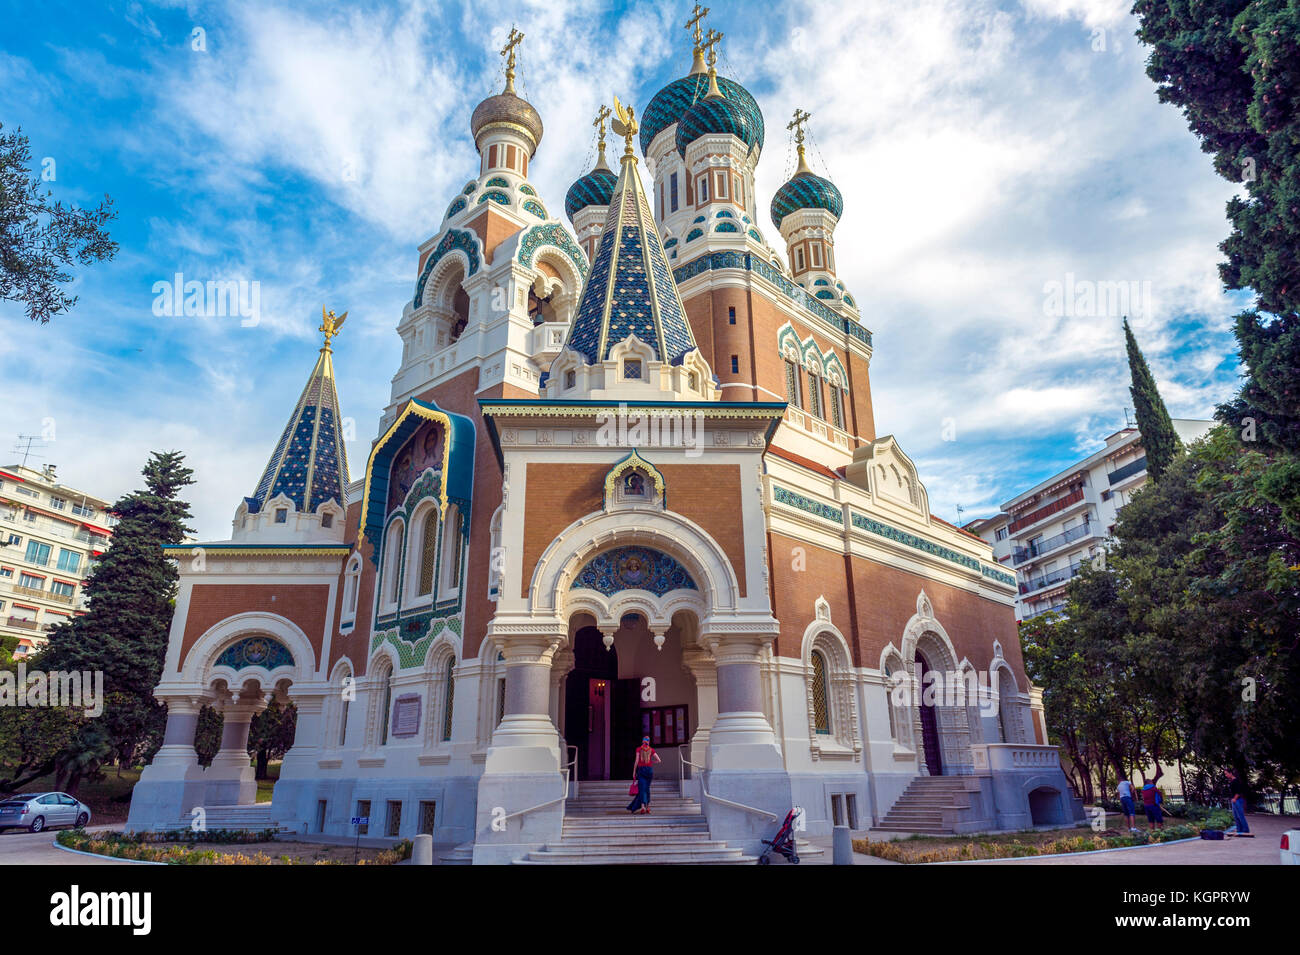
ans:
x=630 y=289
x=310 y=463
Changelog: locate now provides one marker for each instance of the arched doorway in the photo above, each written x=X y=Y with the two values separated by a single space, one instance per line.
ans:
x=929 y=721
x=589 y=697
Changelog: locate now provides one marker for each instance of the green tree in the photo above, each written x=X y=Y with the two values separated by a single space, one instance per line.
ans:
x=270 y=735
x=131 y=595
x=1159 y=438
x=39 y=238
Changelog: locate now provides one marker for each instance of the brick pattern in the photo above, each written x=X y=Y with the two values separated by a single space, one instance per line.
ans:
x=304 y=604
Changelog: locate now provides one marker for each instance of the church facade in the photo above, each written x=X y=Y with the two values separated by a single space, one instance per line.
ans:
x=629 y=483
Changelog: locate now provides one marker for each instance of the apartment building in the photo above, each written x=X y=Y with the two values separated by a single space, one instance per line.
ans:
x=1047 y=533
x=50 y=537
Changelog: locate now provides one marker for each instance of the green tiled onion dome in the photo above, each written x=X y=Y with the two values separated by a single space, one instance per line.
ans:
x=806 y=191
x=670 y=103
x=596 y=188
x=716 y=115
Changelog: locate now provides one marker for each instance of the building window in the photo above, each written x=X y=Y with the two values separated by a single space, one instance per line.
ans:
x=492 y=156
x=351 y=586
x=731 y=314
x=672 y=192
x=394 y=819
x=6 y=571
x=703 y=189
x=428 y=814
x=69 y=560
x=83 y=510
x=320 y=815
x=821 y=695
x=327 y=519
x=38 y=553
x=735 y=364
x=343 y=714
x=798 y=259
x=388 y=705
x=740 y=191
x=837 y=407
x=363 y=805
x=501 y=700
x=428 y=552
x=694 y=380
x=448 y=698
x=632 y=368
x=722 y=185
x=393 y=562
x=816 y=251
x=281 y=515
x=63 y=588
x=58 y=503
x=31 y=581
x=15 y=540
x=570 y=378
x=792 y=384
x=451 y=550
x=815 y=396
x=510 y=156
x=28 y=491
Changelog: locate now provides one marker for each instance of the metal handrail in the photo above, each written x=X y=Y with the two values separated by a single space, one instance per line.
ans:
x=726 y=802
x=542 y=805
x=572 y=768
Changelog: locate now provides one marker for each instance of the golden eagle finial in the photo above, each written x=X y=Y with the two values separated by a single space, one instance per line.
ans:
x=330 y=324
x=624 y=124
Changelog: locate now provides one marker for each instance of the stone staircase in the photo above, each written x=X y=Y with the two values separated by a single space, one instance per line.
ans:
x=255 y=817
x=598 y=830
x=930 y=805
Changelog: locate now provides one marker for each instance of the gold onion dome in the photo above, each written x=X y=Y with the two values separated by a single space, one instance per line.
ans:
x=507 y=108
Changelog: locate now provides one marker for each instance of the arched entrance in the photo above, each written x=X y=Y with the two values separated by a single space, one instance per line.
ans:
x=589 y=696
x=929 y=721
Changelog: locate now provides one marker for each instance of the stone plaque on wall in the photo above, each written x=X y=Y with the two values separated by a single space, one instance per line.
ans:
x=406 y=715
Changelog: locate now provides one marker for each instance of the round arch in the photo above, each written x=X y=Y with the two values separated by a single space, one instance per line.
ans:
x=200 y=666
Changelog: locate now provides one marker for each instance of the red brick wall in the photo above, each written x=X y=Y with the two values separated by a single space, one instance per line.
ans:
x=304 y=604
x=355 y=645
x=885 y=599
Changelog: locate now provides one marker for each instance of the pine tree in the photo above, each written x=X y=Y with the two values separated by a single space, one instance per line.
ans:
x=1158 y=435
x=131 y=595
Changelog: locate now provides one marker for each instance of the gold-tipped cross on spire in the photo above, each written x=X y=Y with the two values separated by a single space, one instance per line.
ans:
x=330 y=325
x=697 y=36
x=797 y=124
x=624 y=124
x=508 y=51
x=599 y=123
x=710 y=46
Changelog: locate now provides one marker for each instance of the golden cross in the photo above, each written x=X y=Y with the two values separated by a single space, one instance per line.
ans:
x=330 y=324
x=800 y=117
x=693 y=24
x=508 y=51
x=600 y=122
x=709 y=46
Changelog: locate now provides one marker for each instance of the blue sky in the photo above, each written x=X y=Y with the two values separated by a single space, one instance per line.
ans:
x=985 y=150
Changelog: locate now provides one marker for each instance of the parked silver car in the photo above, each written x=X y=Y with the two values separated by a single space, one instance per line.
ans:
x=38 y=811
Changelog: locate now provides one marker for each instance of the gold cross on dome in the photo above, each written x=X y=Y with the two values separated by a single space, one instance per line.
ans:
x=600 y=122
x=800 y=117
x=709 y=46
x=693 y=24
x=508 y=51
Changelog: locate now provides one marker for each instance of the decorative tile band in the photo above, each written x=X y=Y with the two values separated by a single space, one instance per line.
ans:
x=752 y=263
x=872 y=526
x=816 y=508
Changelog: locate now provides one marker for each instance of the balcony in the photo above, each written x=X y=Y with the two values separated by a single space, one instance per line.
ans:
x=1055 y=608
x=35 y=592
x=1060 y=504
x=1048 y=580
x=1023 y=554
x=23 y=623
x=1127 y=471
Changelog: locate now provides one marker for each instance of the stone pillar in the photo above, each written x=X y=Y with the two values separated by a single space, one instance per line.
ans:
x=522 y=768
x=699 y=663
x=172 y=784
x=296 y=791
x=746 y=767
x=231 y=779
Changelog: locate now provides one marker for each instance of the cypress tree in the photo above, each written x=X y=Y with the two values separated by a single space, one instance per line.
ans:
x=1158 y=435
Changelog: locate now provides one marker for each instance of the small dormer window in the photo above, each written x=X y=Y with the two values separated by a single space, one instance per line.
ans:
x=281 y=515
x=327 y=519
x=695 y=382
x=632 y=368
x=570 y=378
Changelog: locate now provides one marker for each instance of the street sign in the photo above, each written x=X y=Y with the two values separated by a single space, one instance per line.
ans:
x=360 y=820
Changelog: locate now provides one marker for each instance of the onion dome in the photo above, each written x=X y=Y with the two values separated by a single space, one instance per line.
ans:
x=715 y=114
x=806 y=190
x=670 y=104
x=510 y=109
x=596 y=188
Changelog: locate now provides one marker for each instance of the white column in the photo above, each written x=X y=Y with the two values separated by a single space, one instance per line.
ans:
x=741 y=736
x=231 y=779
x=172 y=784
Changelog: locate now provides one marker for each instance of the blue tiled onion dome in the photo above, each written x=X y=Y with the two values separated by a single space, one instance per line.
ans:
x=596 y=188
x=720 y=115
x=806 y=191
x=668 y=105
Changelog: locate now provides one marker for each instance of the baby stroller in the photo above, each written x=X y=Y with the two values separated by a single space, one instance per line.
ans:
x=782 y=842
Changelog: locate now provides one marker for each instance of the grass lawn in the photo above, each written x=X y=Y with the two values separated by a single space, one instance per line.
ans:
x=264 y=786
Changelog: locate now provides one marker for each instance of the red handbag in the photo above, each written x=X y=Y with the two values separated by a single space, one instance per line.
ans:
x=633 y=790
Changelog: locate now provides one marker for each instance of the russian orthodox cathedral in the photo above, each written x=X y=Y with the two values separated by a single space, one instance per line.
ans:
x=629 y=484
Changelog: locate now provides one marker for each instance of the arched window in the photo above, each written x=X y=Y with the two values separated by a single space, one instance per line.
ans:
x=815 y=395
x=393 y=562
x=448 y=698
x=792 y=384
x=837 y=407
x=496 y=558
x=428 y=552
x=821 y=694
x=345 y=694
x=351 y=587
x=451 y=552
x=387 y=707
